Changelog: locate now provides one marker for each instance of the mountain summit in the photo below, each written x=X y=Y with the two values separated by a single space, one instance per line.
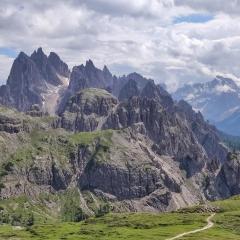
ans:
x=31 y=79
x=218 y=100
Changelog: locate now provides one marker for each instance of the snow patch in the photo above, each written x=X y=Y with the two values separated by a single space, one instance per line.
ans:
x=223 y=89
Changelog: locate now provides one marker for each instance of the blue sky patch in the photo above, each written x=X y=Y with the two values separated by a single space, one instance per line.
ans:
x=8 y=52
x=193 y=18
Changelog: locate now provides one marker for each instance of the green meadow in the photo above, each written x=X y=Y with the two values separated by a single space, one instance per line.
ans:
x=134 y=226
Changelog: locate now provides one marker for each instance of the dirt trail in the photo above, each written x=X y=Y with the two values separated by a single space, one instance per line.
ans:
x=209 y=225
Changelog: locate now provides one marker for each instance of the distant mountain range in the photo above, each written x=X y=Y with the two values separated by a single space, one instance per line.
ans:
x=218 y=101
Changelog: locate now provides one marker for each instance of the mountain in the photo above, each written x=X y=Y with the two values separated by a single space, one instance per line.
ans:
x=119 y=82
x=86 y=76
x=136 y=154
x=218 y=101
x=114 y=142
x=32 y=79
x=128 y=90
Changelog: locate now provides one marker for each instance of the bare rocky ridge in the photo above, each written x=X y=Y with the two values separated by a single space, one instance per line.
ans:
x=87 y=109
x=135 y=148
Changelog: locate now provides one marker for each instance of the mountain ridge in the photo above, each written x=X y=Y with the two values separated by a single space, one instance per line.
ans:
x=123 y=140
x=218 y=100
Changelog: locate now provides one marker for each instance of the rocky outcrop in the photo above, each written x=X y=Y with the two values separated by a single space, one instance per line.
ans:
x=228 y=179
x=206 y=134
x=35 y=111
x=10 y=125
x=171 y=135
x=87 y=109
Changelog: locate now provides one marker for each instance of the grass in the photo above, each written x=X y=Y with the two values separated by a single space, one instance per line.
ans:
x=91 y=94
x=87 y=138
x=227 y=222
x=112 y=226
x=135 y=226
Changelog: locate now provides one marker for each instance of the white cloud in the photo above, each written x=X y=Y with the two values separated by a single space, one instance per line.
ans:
x=136 y=35
x=5 y=65
x=222 y=6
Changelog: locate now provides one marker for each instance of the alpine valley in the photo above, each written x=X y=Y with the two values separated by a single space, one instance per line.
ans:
x=78 y=144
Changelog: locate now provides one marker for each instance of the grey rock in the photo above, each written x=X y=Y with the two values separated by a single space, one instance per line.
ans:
x=29 y=78
x=129 y=90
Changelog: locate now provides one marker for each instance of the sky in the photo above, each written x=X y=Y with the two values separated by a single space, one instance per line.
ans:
x=171 y=41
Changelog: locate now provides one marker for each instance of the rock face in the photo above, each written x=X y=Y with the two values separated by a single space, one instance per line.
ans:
x=118 y=166
x=175 y=129
x=119 y=83
x=45 y=67
x=138 y=150
x=87 y=109
x=24 y=84
x=60 y=66
x=129 y=90
x=132 y=170
x=89 y=76
x=227 y=182
x=30 y=78
x=206 y=134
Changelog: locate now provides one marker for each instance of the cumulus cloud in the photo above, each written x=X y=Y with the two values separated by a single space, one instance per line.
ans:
x=137 y=35
x=5 y=65
x=222 y=6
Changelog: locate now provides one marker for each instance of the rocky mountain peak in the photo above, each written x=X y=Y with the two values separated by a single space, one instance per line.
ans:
x=105 y=69
x=224 y=80
x=107 y=74
x=22 y=55
x=23 y=72
x=32 y=79
x=130 y=89
x=89 y=76
x=151 y=91
x=135 y=76
x=60 y=66
x=24 y=84
x=51 y=68
x=40 y=51
x=89 y=64
x=39 y=56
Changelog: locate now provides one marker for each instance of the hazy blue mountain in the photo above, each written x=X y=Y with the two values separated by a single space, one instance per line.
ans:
x=218 y=101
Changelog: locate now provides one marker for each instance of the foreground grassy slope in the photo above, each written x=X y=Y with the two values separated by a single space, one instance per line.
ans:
x=135 y=226
x=112 y=226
